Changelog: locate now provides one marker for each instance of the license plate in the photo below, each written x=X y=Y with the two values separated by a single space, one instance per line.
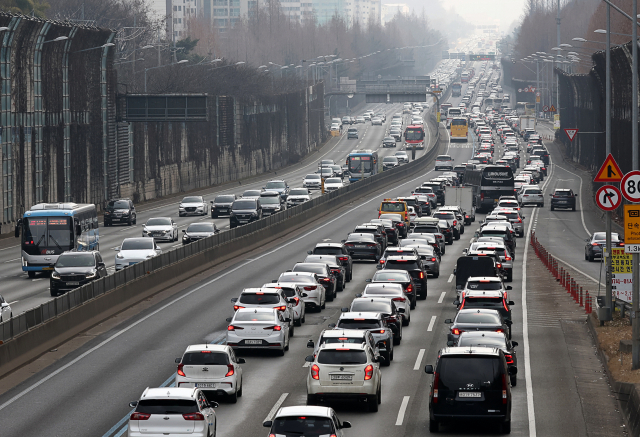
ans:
x=243 y=221
x=223 y=209
x=205 y=385
x=73 y=283
x=469 y=394
x=115 y=219
x=253 y=341
x=360 y=246
x=341 y=377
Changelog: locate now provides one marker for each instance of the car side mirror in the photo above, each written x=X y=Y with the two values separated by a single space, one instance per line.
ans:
x=428 y=369
x=509 y=287
x=344 y=309
x=287 y=319
x=448 y=321
x=101 y=264
x=512 y=370
x=309 y=358
x=311 y=344
x=228 y=319
x=211 y=202
x=346 y=424
x=291 y=300
x=241 y=360
x=178 y=360
x=379 y=267
x=510 y=303
x=508 y=322
x=234 y=299
x=343 y=241
x=310 y=252
x=304 y=295
x=464 y=251
x=456 y=302
x=117 y=249
x=184 y=231
x=267 y=424
x=575 y=195
x=331 y=325
x=273 y=281
x=450 y=343
x=133 y=404
x=17 y=231
x=358 y=294
x=514 y=343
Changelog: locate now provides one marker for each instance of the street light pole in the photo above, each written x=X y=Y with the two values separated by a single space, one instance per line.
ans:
x=608 y=296
x=635 y=343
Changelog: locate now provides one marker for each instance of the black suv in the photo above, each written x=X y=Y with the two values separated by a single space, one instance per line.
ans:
x=120 y=211
x=245 y=211
x=74 y=269
x=470 y=383
x=563 y=198
x=221 y=205
x=413 y=265
x=339 y=251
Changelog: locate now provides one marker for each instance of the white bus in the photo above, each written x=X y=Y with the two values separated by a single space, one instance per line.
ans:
x=451 y=113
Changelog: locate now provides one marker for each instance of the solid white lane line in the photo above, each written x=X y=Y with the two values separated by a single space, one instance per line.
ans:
x=525 y=335
x=419 y=360
x=276 y=406
x=431 y=323
x=442 y=296
x=450 y=278
x=579 y=199
x=403 y=409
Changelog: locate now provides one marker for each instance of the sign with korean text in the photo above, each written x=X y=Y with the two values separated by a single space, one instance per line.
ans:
x=621 y=274
x=632 y=228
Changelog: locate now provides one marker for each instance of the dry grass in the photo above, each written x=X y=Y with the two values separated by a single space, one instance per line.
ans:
x=609 y=337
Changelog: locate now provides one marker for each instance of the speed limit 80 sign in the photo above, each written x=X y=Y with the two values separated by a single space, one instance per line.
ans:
x=630 y=186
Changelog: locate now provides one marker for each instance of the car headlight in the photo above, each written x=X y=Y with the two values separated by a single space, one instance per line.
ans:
x=185 y=237
x=55 y=275
x=200 y=207
x=125 y=213
x=120 y=256
x=144 y=231
x=181 y=206
x=254 y=214
x=107 y=213
x=92 y=274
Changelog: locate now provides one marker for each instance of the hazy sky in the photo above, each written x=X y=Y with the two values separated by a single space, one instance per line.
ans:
x=501 y=12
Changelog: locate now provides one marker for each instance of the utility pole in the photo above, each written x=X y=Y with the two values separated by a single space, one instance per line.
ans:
x=635 y=343
x=558 y=45
x=537 y=85
x=608 y=296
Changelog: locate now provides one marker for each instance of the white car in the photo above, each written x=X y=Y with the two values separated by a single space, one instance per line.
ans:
x=135 y=250
x=297 y=196
x=316 y=293
x=161 y=228
x=258 y=328
x=343 y=371
x=5 y=310
x=193 y=205
x=164 y=410
x=265 y=298
x=306 y=420
x=402 y=156
x=531 y=195
x=444 y=162
x=312 y=181
x=395 y=292
x=212 y=368
x=376 y=121
x=332 y=184
x=295 y=294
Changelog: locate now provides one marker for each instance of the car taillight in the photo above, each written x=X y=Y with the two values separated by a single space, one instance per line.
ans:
x=436 y=379
x=519 y=220
x=499 y=265
x=410 y=288
x=310 y=287
x=348 y=245
x=233 y=328
x=297 y=299
x=400 y=224
x=371 y=245
x=193 y=416
x=499 y=330
x=281 y=308
x=481 y=196
x=457 y=331
x=455 y=222
x=399 y=299
x=421 y=275
x=509 y=359
x=325 y=280
x=230 y=370
x=275 y=327
x=594 y=244
x=621 y=243
x=315 y=371
x=237 y=307
x=379 y=331
x=507 y=258
x=139 y=416
x=504 y=388
x=433 y=260
x=368 y=372
x=343 y=258
x=180 y=371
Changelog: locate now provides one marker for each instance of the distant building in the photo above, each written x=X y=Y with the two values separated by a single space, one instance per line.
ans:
x=179 y=12
x=390 y=10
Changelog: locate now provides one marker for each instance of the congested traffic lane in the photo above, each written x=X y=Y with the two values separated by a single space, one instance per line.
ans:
x=25 y=293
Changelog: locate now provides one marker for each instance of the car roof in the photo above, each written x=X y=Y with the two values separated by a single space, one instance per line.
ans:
x=207 y=347
x=334 y=346
x=329 y=245
x=484 y=278
x=304 y=410
x=136 y=239
x=385 y=286
x=260 y=290
x=483 y=293
x=339 y=332
x=169 y=393
x=402 y=257
x=478 y=311
x=469 y=350
x=256 y=310
x=361 y=315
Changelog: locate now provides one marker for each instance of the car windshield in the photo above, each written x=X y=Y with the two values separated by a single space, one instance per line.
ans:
x=391 y=276
x=292 y=277
x=562 y=193
x=118 y=204
x=270 y=200
x=349 y=356
x=192 y=200
x=455 y=372
x=167 y=406
x=275 y=185
x=259 y=298
x=534 y=191
x=243 y=204
x=483 y=285
x=327 y=251
x=368 y=238
x=392 y=207
x=251 y=193
x=402 y=264
x=468 y=340
x=299 y=192
x=248 y=316
x=333 y=181
x=75 y=260
x=477 y=318
x=603 y=236
x=359 y=324
x=201 y=227
x=389 y=139
x=374 y=307
x=159 y=222
x=205 y=357
x=334 y=340
x=493 y=233
x=141 y=244
x=306 y=425
x=391 y=159
x=310 y=267
x=482 y=302
x=224 y=199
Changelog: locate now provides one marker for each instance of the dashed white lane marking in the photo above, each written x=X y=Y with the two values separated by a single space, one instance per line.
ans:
x=403 y=409
x=442 y=296
x=11 y=260
x=419 y=360
x=276 y=406
x=306 y=364
x=15 y=301
x=450 y=278
x=431 y=323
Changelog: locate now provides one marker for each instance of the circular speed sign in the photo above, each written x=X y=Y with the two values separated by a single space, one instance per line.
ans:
x=630 y=186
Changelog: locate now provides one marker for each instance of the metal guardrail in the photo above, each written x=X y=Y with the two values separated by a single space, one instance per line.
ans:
x=36 y=316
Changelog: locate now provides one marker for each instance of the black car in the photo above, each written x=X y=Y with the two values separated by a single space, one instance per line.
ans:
x=221 y=205
x=492 y=339
x=424 y=204
x=470 y=384
x=474 y=266
x=412 y=201
x=334 y=264
x=401 y=277
x=563 y=198
x=389 y=142
x=120 y=211
x=413 y=265
x=75 y=269
x=377 y=231
x=452 y=218
x=363 y=246
x=339 y=251
x=390 y=229
x=446 y=227
x=476 y=319
x=245 y=211
x=383 y=305
x=325 y=276
x=487 y=299
x=198 y=231
x=597 y=242
x=495 y=230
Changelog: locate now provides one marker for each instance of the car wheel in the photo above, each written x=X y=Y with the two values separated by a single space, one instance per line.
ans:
x=214 y=215
x=330 y=297
x=280 y=352
x=387 y=359
x=304 y=317
x=31 y=274
x=406 y=321
x=233 y=398
x=53 y=293
x=323 y=306
x=373 y=403
x=311 y=400
x=297 y=322
x=292 y=330
x=514 y=380
x=591 y=258
x=286 y=347
x=434 y=426
x=551 y=207
x=130 y=222
x=586 y=258
x=510 y=276
x=341 y=285
x=573 y=208
x=436 y=274
x=444 y=249
x=391 y=355
x=505 y=427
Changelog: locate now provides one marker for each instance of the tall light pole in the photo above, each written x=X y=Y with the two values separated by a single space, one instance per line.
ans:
x=635 y=343
x=609 y=293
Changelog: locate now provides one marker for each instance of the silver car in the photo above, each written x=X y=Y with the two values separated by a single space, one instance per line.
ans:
x=312 y=181
x=161 y=229
x=297 y=196
x=193 y=205
x=395 y=292
x=265 y=298
x=258 y=328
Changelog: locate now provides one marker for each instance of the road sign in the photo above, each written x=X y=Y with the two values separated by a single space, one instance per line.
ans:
x=519 y=90
x=609 y=172
x=538 y=94
x=538 y=98
x=552 y=109
x=526 y=89
x=632 y=228
x=571 y=133
x=630 y=186
x=545 y=108
x=621 y=274
x=532 y=89
x=608 y=198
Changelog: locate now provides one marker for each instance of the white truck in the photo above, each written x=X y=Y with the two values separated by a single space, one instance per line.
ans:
x=462 y=197
x=526 y=122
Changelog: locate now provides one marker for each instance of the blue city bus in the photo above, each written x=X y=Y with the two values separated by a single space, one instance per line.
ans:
x=362 y=164
x=49 y=229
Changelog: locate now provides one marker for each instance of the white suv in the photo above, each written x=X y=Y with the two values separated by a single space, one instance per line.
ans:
x=531 y=195
x=344 y=371
x=265 y=298
x=213 y=368
x=306 y=420
x=172 y=410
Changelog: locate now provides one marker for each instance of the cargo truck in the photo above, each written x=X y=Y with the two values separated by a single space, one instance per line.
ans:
x=462 y=197
x=526 y=122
